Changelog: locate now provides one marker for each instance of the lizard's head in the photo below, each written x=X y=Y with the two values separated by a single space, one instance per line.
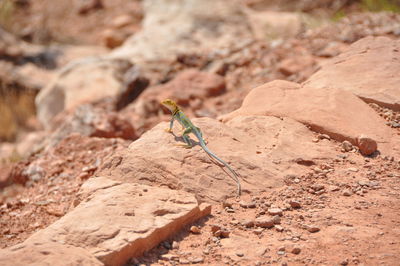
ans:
x=170 y=104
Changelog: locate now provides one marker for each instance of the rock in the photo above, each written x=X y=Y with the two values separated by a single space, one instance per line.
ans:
x=89 y=120
x=369 y=69
x=195 y=229
x=290 y=66
x=275 y=211
x=366 y=145
x=223 y=233
x=352 y=169
x=324 y=110
x=46 y=253
x=347 y=146
x=87 y=80
x=112 y=38
x=142 y=217
x=190 y=169
x=312 y=228
x=296 y=250
x=247 y=205
x=347 y=192
x=186 y=86
x=278 y=228
x=275 y=25
x=264 y=222
x=295 y=204
x=173 y=22
x=122 y=21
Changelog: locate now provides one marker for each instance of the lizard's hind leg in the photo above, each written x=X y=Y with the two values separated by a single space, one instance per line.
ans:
x=185 y=136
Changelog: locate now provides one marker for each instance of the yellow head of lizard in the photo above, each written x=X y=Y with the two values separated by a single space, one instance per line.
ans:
x=170 y=104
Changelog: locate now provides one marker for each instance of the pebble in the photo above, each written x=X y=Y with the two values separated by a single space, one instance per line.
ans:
x=197 y=260
x=352 y=169
x=239 y=254
x=295 y=204
x=366 y=145
x=296 y=250
x=264 y=222
x=312 y=228
x=275 y=211
x=347 y=146
x=195 y=230
x=248 y=223
x=347 y=192
x=279 y=228
x=175 y=245
x=222 y=233
x=246 y=205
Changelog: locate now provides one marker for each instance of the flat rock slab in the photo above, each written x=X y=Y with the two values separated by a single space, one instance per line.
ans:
x=115 y=221
x=262 y=150
x=369 y=68
x=46 y=254
x=335 y=112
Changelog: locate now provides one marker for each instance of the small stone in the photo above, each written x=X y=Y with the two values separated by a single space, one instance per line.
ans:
x=324 y=136
x=121 y=21
x=353 y=169
x=366 y=145
x=312 y=228
x=227 y=204
x=246 y=205
x=175 y=245
x=222 y=233
x=295 y=204
x=280 y=252
x=169 y=257
x=197 y=260
x=229 y=210
x=347 y=192
x=195 y=230
x=296 y=250
x=215 y=228
x=275 y=211
x=239 y=254
x=281 y=248
x=278 y=228
x=276 y=219
x=347 y=146
x=264 y=222
x=317 y=187
x=248 y=223
x=183 y=261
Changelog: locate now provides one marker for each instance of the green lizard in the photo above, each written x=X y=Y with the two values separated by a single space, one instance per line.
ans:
x=189 y=127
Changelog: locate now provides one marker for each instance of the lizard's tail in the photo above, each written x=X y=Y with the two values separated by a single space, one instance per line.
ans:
x=235 y=175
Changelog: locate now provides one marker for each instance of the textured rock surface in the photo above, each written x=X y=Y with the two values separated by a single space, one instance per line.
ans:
x=325 y=110
x=46 y=254
x=261 y=149
x=369 y=68
x=116 y=221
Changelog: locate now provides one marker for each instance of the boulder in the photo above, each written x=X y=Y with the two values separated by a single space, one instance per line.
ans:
x=369 y=69
x=335 y=112
x=46 y=254
x=262 y=150
x=83 y=81
x=188 y=26
x=115 y=221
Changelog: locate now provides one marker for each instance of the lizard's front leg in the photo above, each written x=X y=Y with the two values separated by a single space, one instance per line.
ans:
x=171 y=123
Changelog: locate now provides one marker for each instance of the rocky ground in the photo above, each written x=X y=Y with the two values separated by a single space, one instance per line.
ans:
x=301 y=98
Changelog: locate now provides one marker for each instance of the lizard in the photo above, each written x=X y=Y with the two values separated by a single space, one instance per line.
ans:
x=189 y=127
